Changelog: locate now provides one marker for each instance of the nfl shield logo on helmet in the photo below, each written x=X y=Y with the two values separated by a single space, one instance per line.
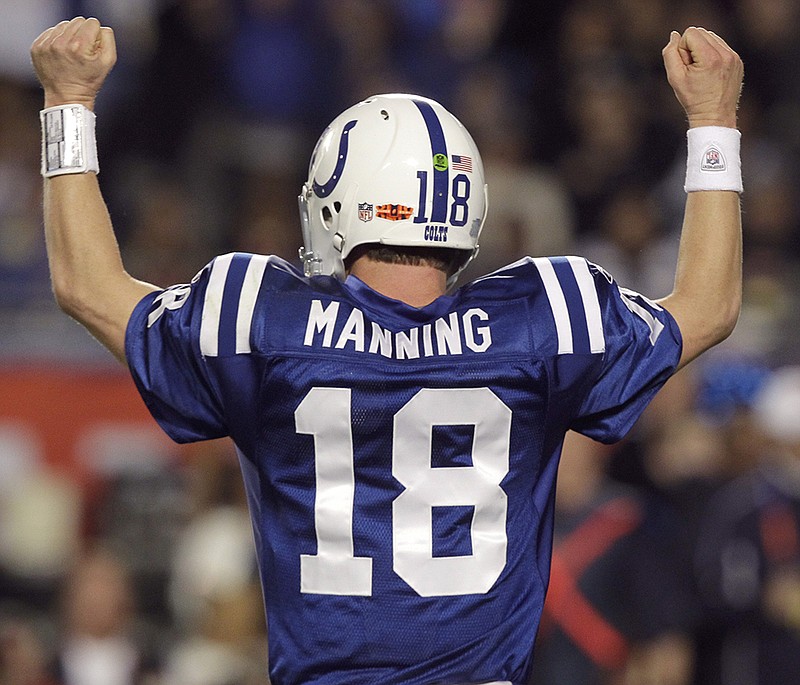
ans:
x=365 y=211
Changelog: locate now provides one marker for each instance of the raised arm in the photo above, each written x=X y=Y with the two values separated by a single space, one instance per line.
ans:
x=89 y=281
x=706 y=76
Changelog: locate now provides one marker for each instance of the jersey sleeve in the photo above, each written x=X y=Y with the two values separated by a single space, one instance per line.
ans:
x=172 y=375
x=641 y=350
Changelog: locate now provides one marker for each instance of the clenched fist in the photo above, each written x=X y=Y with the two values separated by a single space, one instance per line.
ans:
x=72 y=59
x=706 y=76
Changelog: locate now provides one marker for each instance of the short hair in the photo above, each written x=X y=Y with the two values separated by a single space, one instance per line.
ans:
x=446 y=259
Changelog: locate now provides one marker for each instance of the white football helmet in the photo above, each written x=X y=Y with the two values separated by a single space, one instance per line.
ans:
x=397 y=170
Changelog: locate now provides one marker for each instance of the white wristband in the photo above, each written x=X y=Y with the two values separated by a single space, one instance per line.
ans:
x=68 y=141
x=713 y=161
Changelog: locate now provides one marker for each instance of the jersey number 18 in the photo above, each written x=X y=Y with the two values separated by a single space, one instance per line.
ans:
x=334 y=569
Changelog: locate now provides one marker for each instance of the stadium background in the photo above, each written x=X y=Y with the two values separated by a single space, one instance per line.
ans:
x=205 y=128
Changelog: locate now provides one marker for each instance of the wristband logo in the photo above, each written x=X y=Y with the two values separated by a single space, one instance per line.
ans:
x=712 y=159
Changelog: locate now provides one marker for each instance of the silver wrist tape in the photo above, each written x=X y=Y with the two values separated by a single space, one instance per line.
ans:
x=68 y=141
x=713 y=161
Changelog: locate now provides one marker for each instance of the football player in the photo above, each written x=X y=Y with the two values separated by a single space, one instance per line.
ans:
x=398 y=438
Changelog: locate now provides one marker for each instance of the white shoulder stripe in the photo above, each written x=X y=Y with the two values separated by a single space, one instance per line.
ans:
x=212 y=306
x=558 y=303
x=655 y=326
x=247 y=302
x=591 y=304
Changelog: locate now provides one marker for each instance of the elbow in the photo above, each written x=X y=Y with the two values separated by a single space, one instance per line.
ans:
x=729 y=316
x=721 y=332
x=703 y=326
x=69 y=298
x=723 y=324
x=729 y=325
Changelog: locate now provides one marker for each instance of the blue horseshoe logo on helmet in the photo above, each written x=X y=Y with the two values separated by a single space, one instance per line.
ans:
x=327 y=188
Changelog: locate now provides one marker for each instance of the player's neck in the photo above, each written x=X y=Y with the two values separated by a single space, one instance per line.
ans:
x=415 y=285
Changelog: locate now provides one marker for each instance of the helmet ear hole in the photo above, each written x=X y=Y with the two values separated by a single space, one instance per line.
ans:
x=328 y=214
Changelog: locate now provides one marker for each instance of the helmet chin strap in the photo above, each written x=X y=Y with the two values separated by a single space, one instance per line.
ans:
x=451 y=280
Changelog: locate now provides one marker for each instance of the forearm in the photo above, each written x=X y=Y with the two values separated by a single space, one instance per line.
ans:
x=81 y=247
x=88 y=278
x=706 y=297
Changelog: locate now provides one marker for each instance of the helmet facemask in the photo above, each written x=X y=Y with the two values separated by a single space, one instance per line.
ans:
x=321 y=253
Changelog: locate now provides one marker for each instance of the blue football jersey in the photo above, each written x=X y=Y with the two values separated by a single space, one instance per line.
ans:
x=400 y=463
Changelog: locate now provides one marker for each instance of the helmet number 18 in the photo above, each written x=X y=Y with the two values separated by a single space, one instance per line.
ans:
x=459 y=194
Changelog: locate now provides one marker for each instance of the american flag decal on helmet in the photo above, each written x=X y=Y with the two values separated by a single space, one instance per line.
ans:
x=461 y=163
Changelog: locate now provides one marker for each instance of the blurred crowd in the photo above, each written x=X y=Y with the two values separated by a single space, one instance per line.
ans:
x=677 y=558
